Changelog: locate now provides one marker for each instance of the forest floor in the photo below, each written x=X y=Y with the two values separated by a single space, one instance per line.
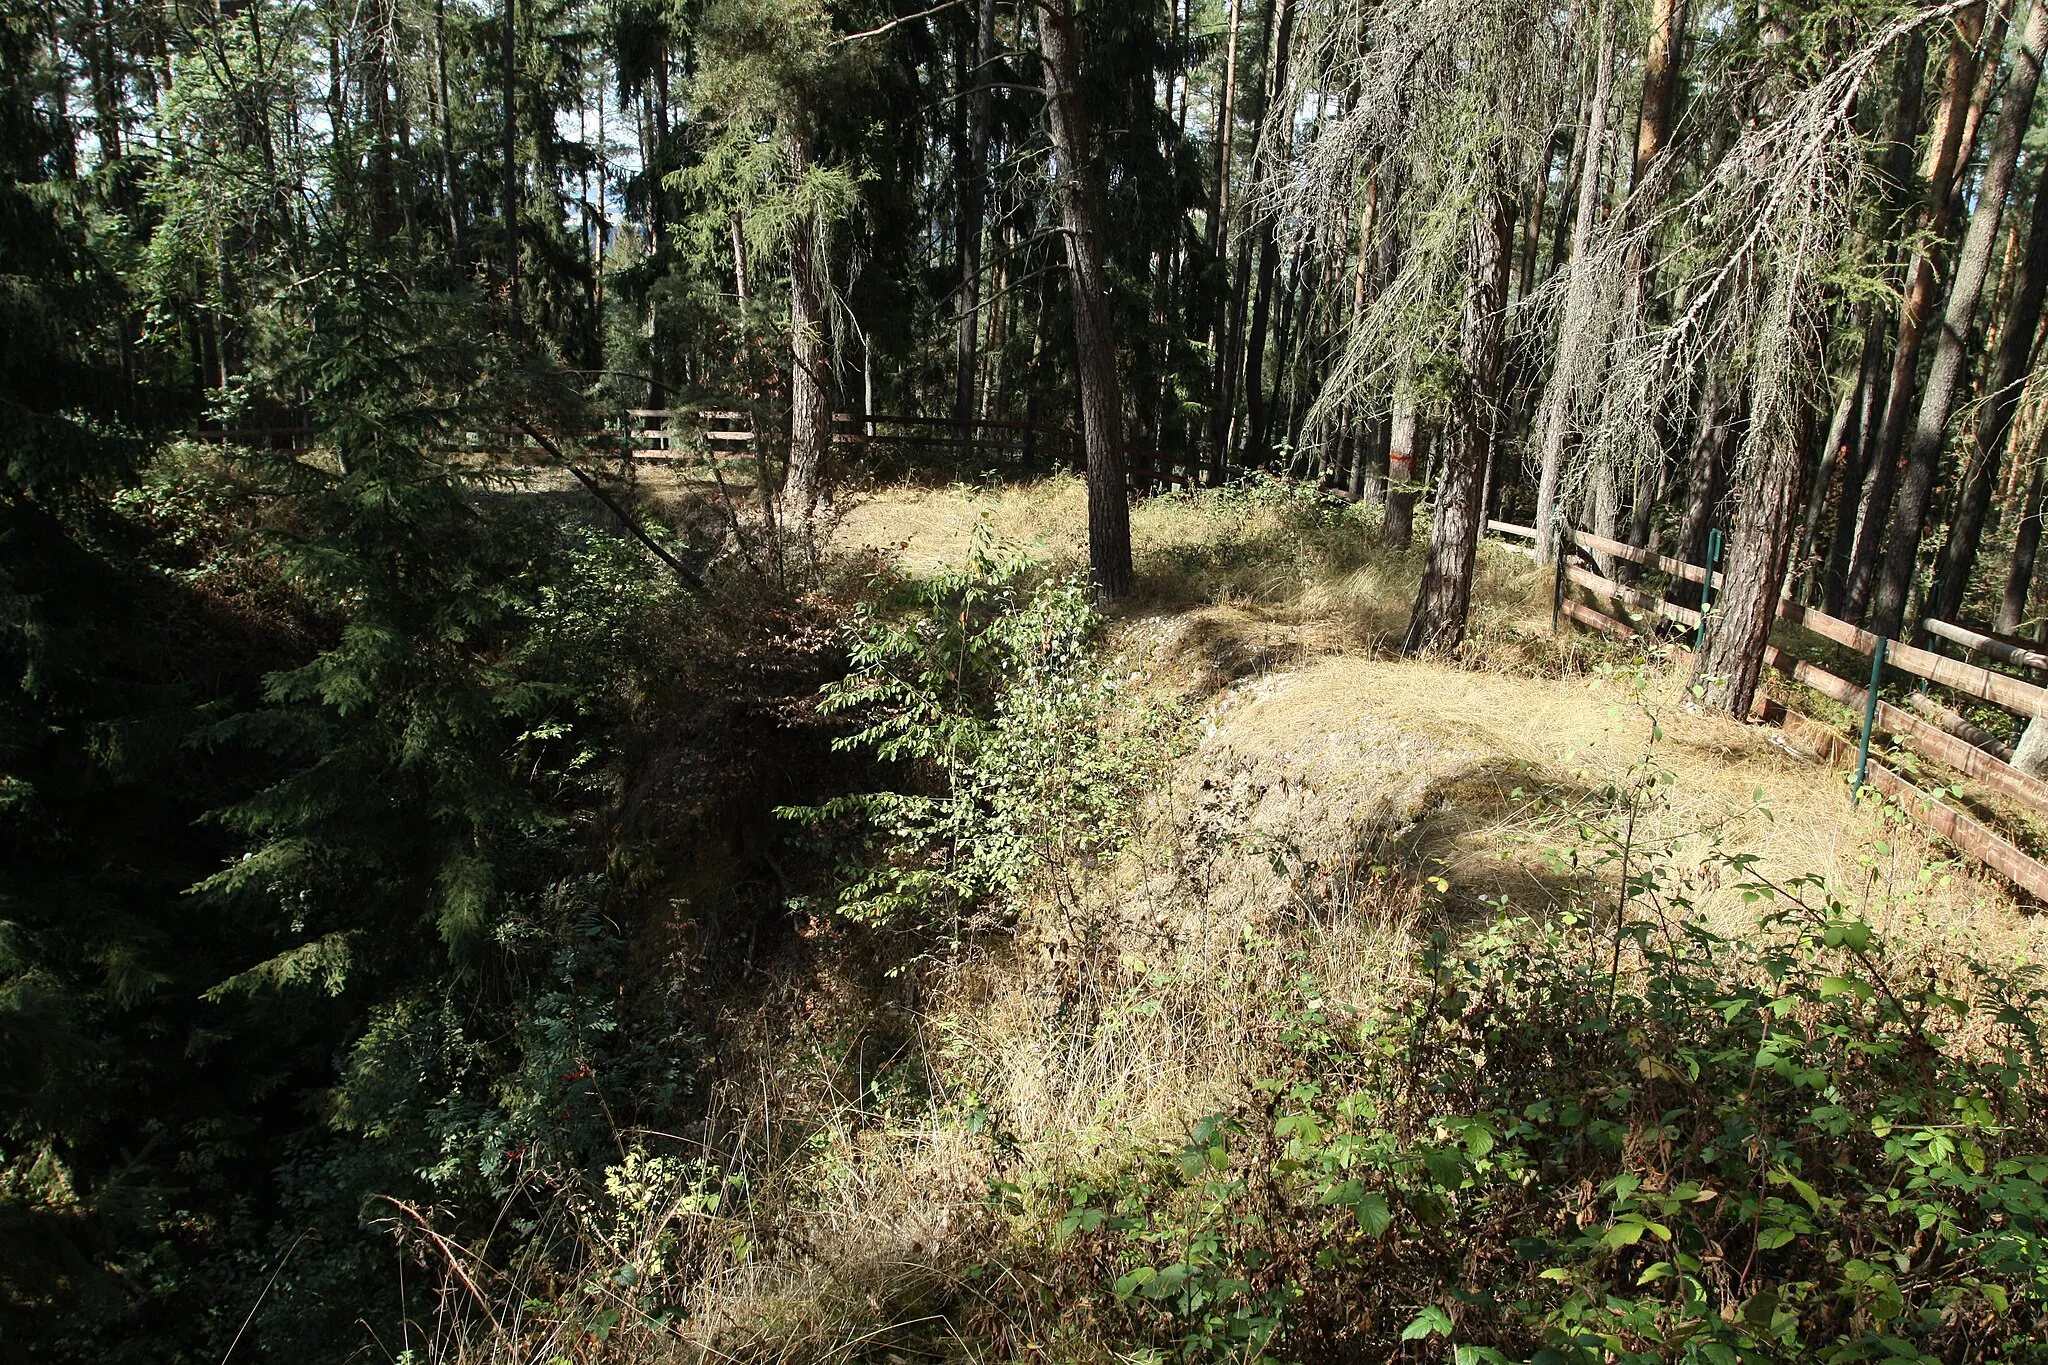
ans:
x=1334 y=805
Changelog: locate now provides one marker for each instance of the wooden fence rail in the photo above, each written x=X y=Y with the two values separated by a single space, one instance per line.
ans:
x=1586 y=540
x=1989 y=645
x=1931 y=740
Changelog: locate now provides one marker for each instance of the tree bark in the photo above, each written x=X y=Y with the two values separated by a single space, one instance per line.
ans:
x=451 y=177
x=1109 y=508
x=1841 y=436
x=1443 y=602
x=1226 y=127
x=1994 y=424
x=1229 y=356
x=1944 y=142
x=1661 y=68
x=1708 y=478
x=510 y=171
x=810 y=406
x=1579 y=288
x=972 y=176
x=1259 y=435
x=2019 y=580
x=1532 y=225
x=1951 y=354
x=1870 y=393
x=1896 y=201
x=1732 y=663
x=1407 y=450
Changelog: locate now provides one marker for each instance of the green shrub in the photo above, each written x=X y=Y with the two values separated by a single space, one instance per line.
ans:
x=988 y=692
x=1794 y=1145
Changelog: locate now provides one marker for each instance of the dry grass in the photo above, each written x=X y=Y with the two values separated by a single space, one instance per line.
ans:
x=1295 y=842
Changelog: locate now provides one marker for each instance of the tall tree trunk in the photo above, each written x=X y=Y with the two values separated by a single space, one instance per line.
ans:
x=1361 y=280
x=1661 y=67
x=1226 y=129
x=1579 y=291
x=1841 y=437
x=1732 y=664
x=810 y=405
x=1881 y=486
x=1766 y=521
x=1259 y=436
x=451 y=178
x=973 y=176
x=1711 y=448
x=1951 y=354
x=1990 y=57
x=1231 y=332
x=1376 y=442
x=1895 y=202
x=1532 y=225
x=1407 y=451
x=2002 y=400
x=97 y=47
x=1109 y=508
x=508 y=36
x=1870 y=393
x=2019 y=579
x=1443 y=602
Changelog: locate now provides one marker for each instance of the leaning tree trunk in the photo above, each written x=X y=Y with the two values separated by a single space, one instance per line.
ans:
x=810 y=407
x=1580 y=287
x=1438 y=623
x=1951 y=353
x=1109 y=508
x=1994 y=425
x=1841 y=438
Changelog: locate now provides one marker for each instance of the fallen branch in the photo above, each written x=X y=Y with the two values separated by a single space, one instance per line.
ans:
x=689 y=576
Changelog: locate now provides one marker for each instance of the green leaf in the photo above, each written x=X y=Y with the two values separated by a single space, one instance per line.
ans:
x=1831 y=986
x=1446 y=1167
x=1625 y=1233
x=1770 y=1239
x=1431 y=1321
x=1374 y=1217
x=1137 y=1279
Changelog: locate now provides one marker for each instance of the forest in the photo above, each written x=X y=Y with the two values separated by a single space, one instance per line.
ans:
x=868 y=680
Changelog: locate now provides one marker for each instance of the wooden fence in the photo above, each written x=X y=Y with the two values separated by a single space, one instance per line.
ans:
x=660 y=435
x=1931 y=740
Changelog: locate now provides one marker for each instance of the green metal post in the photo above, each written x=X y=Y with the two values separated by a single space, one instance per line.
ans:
x=1869 y=711
x=1707 y=588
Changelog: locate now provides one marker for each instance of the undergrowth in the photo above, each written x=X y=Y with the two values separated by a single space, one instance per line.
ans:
x=1020 y=746
x=1617 y=1132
